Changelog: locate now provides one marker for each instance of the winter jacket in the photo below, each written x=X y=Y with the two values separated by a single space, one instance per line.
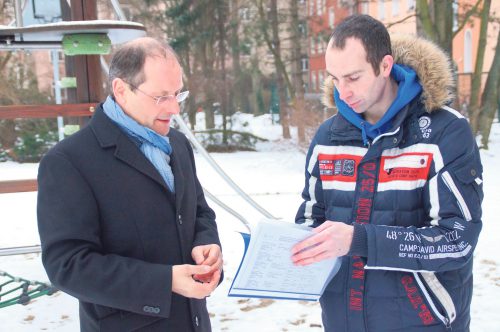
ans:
x=414 y=197
x=111 y=230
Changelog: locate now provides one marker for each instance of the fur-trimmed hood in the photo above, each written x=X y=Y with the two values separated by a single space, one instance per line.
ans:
x=431 y=64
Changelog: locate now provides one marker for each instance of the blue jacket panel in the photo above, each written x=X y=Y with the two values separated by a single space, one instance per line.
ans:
x=424 y=219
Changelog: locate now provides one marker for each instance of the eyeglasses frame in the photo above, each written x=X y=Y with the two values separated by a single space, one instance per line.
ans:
x=180 y=97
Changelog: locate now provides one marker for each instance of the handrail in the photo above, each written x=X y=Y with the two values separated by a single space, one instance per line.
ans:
x=218 y=169
x=20 y=250
x=18 y=186
x=46 y=111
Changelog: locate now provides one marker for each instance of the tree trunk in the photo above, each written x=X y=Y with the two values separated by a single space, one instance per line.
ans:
x=222 y=86
x=443 y=19
x=478 y=69
x=425 y=19
x=281 y=70
x=490 y=97
x=237 y=90
x=298 y=97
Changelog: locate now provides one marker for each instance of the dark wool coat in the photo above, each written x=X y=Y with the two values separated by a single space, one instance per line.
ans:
x=111 y=230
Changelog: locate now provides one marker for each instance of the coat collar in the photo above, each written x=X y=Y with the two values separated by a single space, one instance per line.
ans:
x=110 y=135
x=342 y=130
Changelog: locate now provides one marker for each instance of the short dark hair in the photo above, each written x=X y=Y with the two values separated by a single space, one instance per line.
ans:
x=372 y=34
x=128 y=60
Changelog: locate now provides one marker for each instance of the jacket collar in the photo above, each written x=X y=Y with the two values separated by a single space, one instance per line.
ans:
x=109 y=135
x=342 y=130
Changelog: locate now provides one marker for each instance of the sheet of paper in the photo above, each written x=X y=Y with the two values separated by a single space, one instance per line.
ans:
x=267 y=269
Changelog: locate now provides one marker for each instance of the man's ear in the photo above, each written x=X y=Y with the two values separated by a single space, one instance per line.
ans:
x=119 y=90
x=386 y=65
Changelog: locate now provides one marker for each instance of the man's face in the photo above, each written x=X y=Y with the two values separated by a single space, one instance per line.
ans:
x=163 y=77
x=355 y=80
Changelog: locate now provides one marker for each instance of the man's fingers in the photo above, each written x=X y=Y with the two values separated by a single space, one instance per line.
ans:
x=323 y=226
x=311 y=241
x=314 y=259
x=213 y=256
x=309 y=252
x=198 y=255
x=197 y=269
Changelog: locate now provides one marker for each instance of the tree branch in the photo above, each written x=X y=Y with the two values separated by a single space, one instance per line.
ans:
x=467 y=15
x=402 y=20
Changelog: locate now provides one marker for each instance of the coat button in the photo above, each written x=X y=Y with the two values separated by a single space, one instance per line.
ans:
x=180 y=219
x=151 y=310
x=473 y=172
x=394 y=140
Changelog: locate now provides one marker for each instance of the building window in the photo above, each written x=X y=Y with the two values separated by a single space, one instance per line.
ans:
x=314 y=81
x=313 y=46
x=365 y=7
x=321 y=79
x=381 y=10
x=395 y=7
x=319 y=7
x=311 y=7
x=331 y=17
x=302 y=29
x=60 y=56
x=411 y=4
x=455 y=16
x=468 y=51
x=304 y=64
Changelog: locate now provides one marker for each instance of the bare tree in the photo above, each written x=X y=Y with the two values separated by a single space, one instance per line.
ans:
x=273 y=42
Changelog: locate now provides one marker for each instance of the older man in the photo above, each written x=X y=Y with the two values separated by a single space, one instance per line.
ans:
x=123 y=221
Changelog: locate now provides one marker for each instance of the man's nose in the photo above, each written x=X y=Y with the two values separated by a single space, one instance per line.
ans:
x=345 y=91
x=172 y=107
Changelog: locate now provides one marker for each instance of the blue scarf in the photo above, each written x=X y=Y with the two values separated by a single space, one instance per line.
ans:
x=154 y=146
x=408 y=89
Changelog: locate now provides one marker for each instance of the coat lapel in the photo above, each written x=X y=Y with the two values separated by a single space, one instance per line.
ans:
x=109 y=135
x=129 y=153
x=175 y=162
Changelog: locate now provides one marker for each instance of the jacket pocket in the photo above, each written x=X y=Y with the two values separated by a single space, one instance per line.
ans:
x=437 y=296
x=123 y=321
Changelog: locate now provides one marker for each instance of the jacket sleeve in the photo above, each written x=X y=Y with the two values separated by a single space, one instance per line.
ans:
x=72 y=253
x=452 y=200
x=312 y=210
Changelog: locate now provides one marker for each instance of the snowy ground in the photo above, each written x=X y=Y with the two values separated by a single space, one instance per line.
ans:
x=273 y=177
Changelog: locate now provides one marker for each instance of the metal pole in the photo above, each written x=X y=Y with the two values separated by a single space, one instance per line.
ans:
x=19 y=14
x=218 y=169
x=57 y=92
x=10 y=45
x=20 y=250
x=118 y=10
x=227 y=208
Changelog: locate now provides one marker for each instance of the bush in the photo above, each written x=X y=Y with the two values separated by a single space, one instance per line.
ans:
x=212 y=140
x=34 y=137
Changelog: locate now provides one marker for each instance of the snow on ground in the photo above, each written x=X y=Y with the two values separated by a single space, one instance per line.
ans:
x=274 y=178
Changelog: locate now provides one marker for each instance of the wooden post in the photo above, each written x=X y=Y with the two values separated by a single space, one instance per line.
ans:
x=86 y=68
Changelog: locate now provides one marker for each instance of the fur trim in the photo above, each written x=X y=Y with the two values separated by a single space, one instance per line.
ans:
x=432 y=65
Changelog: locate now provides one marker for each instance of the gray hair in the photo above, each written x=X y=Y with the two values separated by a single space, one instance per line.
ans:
x=128 y=60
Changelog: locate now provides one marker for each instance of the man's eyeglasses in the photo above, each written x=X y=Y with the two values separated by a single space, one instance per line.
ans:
x=179 y=97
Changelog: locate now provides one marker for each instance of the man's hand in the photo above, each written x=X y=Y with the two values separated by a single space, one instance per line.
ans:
x=210 y=255
x=331 y=239
x=183 y=282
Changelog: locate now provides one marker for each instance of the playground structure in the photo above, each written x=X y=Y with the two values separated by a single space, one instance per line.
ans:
x=84 y=38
